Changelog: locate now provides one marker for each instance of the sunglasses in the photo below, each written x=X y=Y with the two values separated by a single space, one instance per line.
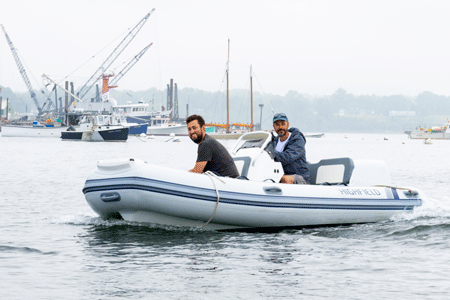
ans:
x=278 y=115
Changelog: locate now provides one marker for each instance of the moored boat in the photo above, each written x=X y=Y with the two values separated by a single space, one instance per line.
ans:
x=35 y=130
x=96 y=129
x=343 y=191
x=161 y=125
x=435 y=132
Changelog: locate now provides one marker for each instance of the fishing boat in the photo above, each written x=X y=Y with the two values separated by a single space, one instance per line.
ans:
x=49 y=128
x=120 y=119
x=157 y=123
x=425 y=132
x=162 y=125
x=96 y=128
x=343 y=191
x=137 y=112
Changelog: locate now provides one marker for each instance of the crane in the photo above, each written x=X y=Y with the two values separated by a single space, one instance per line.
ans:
x=51 y=81
x=22 y=72
x=129 y=65
x=113 y=56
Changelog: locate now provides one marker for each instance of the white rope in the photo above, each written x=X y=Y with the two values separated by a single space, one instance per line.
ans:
x=396 y=187
x=212 y=175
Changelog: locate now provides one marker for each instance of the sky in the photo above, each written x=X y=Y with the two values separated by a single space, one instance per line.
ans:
x=312 y=47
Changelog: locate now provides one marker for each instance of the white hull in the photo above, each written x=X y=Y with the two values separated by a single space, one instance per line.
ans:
x=167 y=130
x=147 y=193
x=430 y=135
x=314 y=135
x=424 y=132
x=30 y=131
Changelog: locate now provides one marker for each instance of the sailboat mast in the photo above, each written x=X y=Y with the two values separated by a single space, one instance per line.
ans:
x=251 y=98
x=228 y=96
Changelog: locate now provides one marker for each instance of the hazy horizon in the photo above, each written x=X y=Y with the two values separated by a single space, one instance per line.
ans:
x=311 y=47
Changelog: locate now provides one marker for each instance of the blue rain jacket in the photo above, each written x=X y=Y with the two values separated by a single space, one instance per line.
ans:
x=293 y=157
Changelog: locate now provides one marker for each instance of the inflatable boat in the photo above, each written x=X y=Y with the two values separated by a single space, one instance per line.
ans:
x=342 y=191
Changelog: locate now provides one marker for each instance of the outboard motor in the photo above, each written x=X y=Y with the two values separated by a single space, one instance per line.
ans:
x=254 y=159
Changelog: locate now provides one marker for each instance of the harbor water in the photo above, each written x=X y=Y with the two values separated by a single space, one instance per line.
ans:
x=53 y=246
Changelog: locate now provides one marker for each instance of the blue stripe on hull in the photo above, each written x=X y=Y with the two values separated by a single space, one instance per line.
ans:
x=131 y=183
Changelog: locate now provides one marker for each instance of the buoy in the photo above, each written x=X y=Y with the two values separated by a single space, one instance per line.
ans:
x=172 y=134
x=152 y=137
x=385 y=138
x=143 y=135
x=428 y=142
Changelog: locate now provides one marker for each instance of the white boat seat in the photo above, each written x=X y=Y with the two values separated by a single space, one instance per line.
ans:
x=331 y=171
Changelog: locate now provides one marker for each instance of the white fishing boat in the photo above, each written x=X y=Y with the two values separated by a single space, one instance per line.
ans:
x=37 y=129
x=343 y=191
x=161 y=125
x=424 y=132
x=96 y=128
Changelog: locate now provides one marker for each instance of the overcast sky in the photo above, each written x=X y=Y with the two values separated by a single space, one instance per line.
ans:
x=365 y=47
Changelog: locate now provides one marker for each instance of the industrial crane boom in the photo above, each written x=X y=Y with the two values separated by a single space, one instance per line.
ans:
x=129 y=65
x=22 y=72
x=113 y=56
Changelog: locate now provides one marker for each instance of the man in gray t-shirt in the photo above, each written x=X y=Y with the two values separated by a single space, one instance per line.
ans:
x=212 y=155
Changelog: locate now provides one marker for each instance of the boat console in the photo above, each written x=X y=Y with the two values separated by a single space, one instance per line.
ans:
x=253 y=156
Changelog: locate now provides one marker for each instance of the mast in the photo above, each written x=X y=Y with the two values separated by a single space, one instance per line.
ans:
x=251 y=99
x=228 y=97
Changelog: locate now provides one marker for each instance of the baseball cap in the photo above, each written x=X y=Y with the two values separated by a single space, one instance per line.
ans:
x=280 y=116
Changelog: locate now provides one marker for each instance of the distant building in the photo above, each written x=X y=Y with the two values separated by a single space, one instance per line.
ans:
x=3 y=103
x=402 y=113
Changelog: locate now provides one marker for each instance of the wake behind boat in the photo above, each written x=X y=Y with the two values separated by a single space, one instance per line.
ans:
x=343 y=191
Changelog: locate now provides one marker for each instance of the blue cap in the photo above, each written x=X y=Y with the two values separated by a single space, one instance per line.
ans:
x=280 y=116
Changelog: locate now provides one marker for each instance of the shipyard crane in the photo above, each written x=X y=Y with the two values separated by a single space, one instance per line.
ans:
x=112 y=57
x=22 y=72
x=47 y=79
x=129 y=65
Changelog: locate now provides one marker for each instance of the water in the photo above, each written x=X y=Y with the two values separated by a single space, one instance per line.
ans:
x=53 y=246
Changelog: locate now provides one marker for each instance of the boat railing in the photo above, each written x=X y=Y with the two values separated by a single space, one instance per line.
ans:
x=424 y=127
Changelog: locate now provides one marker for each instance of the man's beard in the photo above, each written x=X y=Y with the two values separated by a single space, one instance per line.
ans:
x=281 y=133
x=198 y=139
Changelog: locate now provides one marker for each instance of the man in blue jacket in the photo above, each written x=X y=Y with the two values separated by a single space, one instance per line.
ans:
x=289 y=148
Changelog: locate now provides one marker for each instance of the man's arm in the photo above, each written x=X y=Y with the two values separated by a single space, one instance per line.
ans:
x=292 y=152
x=199 y=167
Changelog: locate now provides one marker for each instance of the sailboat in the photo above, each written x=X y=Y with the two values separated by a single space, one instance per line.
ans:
x=225 y=131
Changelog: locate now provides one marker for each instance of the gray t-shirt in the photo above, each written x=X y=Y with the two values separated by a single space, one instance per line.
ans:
x=217 y=157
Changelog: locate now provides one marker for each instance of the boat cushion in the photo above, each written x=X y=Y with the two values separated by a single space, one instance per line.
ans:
x=332 y=171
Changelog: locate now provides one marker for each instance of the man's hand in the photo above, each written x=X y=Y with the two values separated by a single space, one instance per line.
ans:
x=199 y=167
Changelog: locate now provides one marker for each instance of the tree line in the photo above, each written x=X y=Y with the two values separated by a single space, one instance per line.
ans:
x=339 y=112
